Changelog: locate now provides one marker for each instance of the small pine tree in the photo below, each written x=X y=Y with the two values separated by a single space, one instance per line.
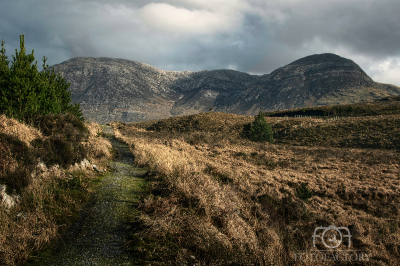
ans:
x=260 y=130
x=303 y=192
x=25 y=92
x=4 y=74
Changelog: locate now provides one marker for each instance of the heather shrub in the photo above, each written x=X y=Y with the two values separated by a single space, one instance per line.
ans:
x=62 y=144
x=67 y=124
x=18 y=176
x=48 y=197
x=58 y=150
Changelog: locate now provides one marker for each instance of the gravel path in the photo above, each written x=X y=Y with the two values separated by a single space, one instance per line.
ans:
x=98 y=237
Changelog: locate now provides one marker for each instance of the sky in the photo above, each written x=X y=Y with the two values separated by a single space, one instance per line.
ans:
x=252 y=36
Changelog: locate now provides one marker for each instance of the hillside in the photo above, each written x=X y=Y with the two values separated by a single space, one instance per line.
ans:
x=211 y=196
x=373 y=124
x=384 y=106
x=219 y=199
x=121 y=90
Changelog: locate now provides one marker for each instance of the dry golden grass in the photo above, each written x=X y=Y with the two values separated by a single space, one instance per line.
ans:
x=232 y=202
x=381 y=132
x=204 y=122
x=7 y=162
x=49 y=200
x=22 y=131
x=97 y=146
x=384 y=106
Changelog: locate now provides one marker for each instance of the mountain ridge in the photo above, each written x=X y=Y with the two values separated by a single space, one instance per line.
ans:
x=128 y=91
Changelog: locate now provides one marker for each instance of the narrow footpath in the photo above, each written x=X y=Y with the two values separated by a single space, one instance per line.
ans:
x=98 y=237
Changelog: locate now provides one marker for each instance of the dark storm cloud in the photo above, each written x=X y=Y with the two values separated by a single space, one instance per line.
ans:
x=239 y=51
x=53 y=29
x=364 y=26
x=253 y=36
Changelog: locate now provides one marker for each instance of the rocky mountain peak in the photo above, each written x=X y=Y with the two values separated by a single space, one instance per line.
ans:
x=322 y=59
x=110 y=89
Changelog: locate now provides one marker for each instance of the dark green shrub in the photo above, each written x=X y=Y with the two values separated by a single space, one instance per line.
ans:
x=260 y=130
x=18 y=149
x=18 y=179
x=63 y=151
x=303 y=192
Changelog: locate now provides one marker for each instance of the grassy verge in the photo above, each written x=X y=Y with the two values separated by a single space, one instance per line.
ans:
x=48 y=170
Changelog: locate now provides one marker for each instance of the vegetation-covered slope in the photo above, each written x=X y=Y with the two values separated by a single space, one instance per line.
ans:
x=220 y=199
x=46 y=175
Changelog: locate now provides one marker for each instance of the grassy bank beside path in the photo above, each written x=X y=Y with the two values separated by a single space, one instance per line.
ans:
x=100 y=234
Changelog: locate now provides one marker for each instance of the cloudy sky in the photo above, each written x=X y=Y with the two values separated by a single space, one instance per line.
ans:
x=253 y=36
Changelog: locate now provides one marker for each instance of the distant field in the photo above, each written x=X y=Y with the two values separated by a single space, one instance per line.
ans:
x=228 y=201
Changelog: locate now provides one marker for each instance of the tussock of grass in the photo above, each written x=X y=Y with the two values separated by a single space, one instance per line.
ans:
x=97 y=147
x=51 y=193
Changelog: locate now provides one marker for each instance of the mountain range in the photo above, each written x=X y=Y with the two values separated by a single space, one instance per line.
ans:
x=111 y=89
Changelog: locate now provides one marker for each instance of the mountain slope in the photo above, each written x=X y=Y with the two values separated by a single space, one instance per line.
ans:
x=122 y=90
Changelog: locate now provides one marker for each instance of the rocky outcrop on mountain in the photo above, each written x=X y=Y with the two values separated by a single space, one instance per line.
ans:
x=312 y=80
x=122 y=90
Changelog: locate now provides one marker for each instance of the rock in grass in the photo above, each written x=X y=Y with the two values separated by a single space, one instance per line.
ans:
x=8 y=201
x=97 y=169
